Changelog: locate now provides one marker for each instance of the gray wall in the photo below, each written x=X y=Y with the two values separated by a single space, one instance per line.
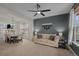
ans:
x=60 y=24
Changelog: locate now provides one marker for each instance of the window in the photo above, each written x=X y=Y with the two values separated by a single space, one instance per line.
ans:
x=76 y=27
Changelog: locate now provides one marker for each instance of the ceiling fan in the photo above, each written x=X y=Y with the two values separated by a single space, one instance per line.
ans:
x=39 y=11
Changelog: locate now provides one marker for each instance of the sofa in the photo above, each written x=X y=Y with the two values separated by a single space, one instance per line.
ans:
x=45 y=39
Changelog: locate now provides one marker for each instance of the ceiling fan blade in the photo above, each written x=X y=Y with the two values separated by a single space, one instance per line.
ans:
x=32 y=10
x=42 y=14
x=35 y=14
x=45 y=10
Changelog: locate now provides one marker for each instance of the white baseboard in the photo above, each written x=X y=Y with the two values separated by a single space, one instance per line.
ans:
x=71 y=50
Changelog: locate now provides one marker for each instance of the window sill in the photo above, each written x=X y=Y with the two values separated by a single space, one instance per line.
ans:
x=77 y=44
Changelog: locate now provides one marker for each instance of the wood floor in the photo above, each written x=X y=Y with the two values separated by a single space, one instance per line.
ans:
x=28 y=48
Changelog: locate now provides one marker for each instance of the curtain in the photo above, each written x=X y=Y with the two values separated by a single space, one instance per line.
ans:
x=77 y=10
x=71 y=26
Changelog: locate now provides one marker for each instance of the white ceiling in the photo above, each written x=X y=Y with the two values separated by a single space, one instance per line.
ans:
x=21 y=8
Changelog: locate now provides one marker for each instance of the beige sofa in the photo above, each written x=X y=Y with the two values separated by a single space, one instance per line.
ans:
x=46 y=41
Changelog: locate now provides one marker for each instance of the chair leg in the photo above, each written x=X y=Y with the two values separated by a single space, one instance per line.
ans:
x=5 y=40
x=21 y=40
x=9 y=41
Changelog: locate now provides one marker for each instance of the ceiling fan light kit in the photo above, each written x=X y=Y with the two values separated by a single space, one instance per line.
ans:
x=39 y=12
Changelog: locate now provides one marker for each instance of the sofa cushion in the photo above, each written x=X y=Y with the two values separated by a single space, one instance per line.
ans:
x=46 y=36
x=52 y=38
x=39 y=36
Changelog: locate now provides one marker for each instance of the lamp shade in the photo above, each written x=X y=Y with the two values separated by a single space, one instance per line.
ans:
x=60 y=34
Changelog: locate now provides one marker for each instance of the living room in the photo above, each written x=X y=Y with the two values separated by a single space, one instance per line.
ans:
x=37 y=26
